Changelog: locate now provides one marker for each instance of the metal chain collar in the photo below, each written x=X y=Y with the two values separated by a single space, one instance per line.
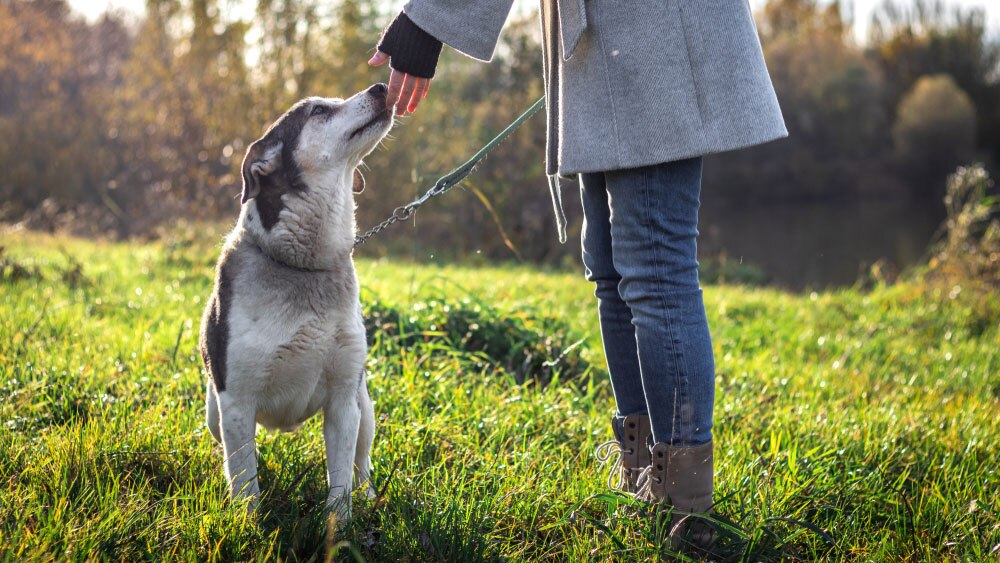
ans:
x=451 y=179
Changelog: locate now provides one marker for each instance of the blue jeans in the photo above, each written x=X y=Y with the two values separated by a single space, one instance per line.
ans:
x=639 y=248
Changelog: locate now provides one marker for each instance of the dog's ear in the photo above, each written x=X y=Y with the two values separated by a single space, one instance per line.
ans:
x=359 y=182
x=263 y=158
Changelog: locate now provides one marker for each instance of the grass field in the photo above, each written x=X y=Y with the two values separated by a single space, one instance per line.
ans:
x=850 y=425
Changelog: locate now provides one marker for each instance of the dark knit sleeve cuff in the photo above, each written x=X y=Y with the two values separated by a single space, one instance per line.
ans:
x=412 y=50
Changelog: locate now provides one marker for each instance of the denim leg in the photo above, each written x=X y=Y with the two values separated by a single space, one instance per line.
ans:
x=654 y=226
x=617 y=331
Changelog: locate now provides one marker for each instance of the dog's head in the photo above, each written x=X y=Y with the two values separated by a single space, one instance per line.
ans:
x=316 y=138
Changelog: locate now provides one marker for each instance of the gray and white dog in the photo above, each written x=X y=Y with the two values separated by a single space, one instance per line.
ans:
x=282 y=336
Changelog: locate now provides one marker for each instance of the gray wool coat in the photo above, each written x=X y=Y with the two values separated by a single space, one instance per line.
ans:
x=631 y=83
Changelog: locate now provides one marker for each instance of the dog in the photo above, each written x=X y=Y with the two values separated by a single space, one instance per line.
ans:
x=282 y=336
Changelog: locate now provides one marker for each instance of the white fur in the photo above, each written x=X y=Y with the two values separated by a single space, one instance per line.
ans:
x=296 y=335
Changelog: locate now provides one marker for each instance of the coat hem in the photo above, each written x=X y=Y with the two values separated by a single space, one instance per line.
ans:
x=567 y=169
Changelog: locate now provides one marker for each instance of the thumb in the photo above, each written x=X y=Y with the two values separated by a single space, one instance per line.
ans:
x=378 y=59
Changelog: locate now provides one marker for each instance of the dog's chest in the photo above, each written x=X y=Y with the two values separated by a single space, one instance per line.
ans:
x=280 y=331
x=295 y=342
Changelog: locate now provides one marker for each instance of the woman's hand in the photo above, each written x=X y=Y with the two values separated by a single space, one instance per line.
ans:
x=406 y=89
x=412 y=53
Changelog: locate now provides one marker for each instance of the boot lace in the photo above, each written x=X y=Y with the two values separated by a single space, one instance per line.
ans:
x=644 y=484
x=617 y=475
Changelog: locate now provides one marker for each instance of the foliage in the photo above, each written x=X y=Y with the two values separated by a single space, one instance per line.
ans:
x=517 y=345
x=179 y=114
x=831 y=97
x=928 y=37
x=12 y=270
x=934 y=130
x=849 y=425
x=970 y=249
x=56 y=75
x=839 y=99
x=121 y=126
x=724 y=270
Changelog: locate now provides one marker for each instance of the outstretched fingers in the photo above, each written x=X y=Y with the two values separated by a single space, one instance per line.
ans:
x=419 y=94
x=406 y=94
x=406 y=91
x=396 y=79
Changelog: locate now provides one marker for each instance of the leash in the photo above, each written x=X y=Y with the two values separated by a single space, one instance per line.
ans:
x=451 y=179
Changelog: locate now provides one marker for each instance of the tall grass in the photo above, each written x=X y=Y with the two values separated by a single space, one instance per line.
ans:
x=852 y=425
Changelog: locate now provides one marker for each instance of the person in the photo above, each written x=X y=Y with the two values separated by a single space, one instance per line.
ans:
x=638 y=92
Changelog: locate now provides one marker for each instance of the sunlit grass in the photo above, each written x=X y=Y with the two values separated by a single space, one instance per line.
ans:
x=849 y=425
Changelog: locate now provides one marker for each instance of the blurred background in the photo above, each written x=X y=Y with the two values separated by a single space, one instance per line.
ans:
x=130 y=119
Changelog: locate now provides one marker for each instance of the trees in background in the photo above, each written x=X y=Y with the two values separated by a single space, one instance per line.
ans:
x=130 y=124
x=179 y=115
x=842 y=102
x=832 y=98
x=57 y=75
x=928 y=37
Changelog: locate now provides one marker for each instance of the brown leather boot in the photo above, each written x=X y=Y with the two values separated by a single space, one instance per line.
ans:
x=681 y=477
x=631 y=435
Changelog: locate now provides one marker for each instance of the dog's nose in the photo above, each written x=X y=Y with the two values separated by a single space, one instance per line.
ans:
x=378 y=89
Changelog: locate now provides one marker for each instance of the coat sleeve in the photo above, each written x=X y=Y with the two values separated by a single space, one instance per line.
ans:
x=470 y=26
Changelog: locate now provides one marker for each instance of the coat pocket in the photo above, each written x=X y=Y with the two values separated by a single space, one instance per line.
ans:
x=572 y=24
x=693 y=45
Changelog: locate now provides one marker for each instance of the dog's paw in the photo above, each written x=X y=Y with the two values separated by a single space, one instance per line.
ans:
x=339 y=507
x=250 y=502
x=369 y=491
x=363 y=486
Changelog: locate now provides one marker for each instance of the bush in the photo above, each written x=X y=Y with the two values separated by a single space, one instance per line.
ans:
x=935 y=130
x=526 y=348
x=722 y=270
x=12 y=270
x=970 y=246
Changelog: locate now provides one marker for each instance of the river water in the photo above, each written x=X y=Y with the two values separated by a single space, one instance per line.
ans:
x=818 y=245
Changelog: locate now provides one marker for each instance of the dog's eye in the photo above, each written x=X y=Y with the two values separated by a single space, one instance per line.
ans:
x=320 y=110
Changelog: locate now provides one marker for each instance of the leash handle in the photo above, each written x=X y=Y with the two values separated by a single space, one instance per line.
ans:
x=451 y=179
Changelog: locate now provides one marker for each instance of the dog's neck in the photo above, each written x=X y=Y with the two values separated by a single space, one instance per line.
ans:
x=315 y=230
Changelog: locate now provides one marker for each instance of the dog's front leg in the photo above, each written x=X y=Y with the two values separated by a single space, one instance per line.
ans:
x=366 y=433
x=238 y=424
x=341 y=420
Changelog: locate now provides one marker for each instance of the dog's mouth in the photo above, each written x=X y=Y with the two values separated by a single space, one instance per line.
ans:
x=379 y=116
